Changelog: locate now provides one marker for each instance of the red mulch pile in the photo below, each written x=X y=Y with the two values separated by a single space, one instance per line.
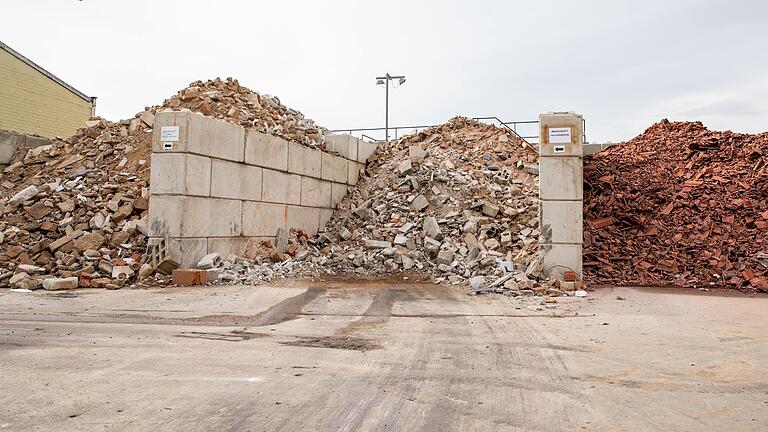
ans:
x=678 y=205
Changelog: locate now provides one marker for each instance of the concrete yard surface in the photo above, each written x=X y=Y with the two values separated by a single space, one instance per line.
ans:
x=321 y=356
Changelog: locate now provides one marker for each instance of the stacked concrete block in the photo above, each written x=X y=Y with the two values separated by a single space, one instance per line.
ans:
x=365 y=150
x=180 y=174
x=11 y=142
x=236 y=180
x=315 y=192
x=266 y=150
x=280 y=187
x=185 y=216
x=350 y=147
x=593 y=148
x=197 y=134
x=561 y=192
x=334 y=168
x=304 y=160
x=216 y=187
x=262 y=219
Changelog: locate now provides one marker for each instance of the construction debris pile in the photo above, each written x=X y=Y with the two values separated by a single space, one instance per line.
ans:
x=74 y=212
x=678 y=205
x=230 y=101
x=458 y=202
x=76 y=208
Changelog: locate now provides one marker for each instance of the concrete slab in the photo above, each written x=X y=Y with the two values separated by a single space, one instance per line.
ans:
x=198 y=134
x=181 y=174
x=263 y=219
x=187 y=216
x=565 y=220
x=315 y=193
x=306 y=218
x=266 y=151
x=235 y=180
x=592 y=149
x=338 y=192
x=345 y=145
x=303 y=160
x=334 y=168
x=394 y=356
x=228 y=245
x=6 y=153
x=280 y=188
x=187 y=252
x=562 y=257
x=353 y=176
x=364 y=150
x=325 y=216
x=566 y=145
x=552 y=174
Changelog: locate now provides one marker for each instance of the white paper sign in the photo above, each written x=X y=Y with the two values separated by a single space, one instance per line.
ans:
x=169 y=133
x=560 y=135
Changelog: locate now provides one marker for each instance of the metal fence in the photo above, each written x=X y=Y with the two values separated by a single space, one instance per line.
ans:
x=527 y=130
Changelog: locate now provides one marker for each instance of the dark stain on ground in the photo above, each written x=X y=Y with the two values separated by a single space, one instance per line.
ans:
x=379 y=311
x=335 y=342
x=287 y=310
x=64 y=294
x=233 y=336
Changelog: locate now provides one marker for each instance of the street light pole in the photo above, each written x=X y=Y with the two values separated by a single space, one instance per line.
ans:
x=385 y=81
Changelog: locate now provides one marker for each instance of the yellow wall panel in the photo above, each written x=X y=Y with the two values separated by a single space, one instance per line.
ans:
x=32 y=103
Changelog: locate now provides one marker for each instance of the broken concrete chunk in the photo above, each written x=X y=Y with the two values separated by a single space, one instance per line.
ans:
x=445 y=256
x=431 y=227
x=55 y=284
x=420 y=203
x=490 y=209
x=209 y=261
x=377 y=244
x=416 y=154
x=122 y=272
x=23 y=195
x=405 y=167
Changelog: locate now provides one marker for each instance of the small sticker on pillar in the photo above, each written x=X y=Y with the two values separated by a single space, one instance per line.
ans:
x=168 y=145
x=169 y=133
x=559 y=149
x=561 y=135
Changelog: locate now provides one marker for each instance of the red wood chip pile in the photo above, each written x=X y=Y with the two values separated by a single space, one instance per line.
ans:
x=678 y=205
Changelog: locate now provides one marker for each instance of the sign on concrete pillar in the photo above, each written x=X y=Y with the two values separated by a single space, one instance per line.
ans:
x=561 y=193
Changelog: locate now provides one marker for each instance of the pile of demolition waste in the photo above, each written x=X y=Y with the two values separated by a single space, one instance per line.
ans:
x=74 y=212
x=678 y=205
x=457 y=202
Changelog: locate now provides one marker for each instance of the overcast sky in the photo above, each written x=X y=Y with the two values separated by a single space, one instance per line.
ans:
x=622 y=64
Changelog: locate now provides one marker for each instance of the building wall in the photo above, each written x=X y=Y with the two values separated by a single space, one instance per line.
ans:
x=32 y=103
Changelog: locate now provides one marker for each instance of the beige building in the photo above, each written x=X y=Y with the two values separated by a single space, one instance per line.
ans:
x=34 y=101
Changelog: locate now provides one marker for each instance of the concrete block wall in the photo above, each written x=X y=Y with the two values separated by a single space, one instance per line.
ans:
x=592 y=148
x=216 y=186
x=11 y=141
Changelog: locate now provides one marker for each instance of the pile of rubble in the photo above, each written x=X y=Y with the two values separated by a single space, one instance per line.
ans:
x=458 y=203
x=230 y=101
x=74 y=212
x=678 y=205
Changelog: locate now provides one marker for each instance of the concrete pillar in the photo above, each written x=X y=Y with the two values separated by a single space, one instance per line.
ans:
x=561 y=193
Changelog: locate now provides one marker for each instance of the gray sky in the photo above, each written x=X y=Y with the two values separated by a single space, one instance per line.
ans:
x=622 y=64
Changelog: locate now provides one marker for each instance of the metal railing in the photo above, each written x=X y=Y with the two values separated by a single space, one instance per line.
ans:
x=526 y=130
